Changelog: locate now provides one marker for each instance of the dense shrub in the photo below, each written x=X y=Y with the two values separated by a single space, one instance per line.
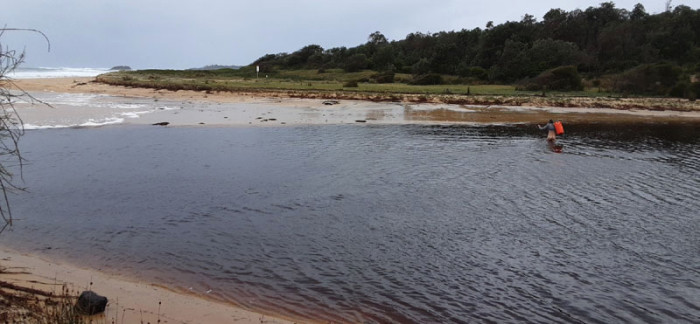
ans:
x=694 y=91
x=680 y=90
x=686 y=90
x=357 y=62
x=473 y=72
x=654 y=79
x=421 y=67
x=384 y=77
x=351 y=84
x=563 y=78
x=427 y=79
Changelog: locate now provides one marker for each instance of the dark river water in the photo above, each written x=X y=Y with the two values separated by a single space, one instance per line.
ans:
x=381 y=224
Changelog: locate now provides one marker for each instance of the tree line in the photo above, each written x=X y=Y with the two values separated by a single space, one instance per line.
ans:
x=627 y=51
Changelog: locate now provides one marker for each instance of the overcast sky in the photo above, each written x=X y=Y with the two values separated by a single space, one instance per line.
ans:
x=185 y=34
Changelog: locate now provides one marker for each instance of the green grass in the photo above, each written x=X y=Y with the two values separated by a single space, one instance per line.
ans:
x=331 y=84
x=311 y=80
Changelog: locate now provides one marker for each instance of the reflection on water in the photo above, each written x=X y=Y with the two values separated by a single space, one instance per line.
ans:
x=555 y=147
x=382 y=224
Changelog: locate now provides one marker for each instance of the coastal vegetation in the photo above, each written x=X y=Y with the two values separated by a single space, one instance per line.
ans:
x=597 y=52
x=20 y=304
x=625 y=51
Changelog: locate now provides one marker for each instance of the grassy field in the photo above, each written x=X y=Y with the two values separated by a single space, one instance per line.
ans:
x=334 y=84
x=300 y=80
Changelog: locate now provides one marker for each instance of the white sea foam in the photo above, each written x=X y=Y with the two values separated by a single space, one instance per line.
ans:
x=91 y=110
x=91 y=100
x=88 y=123
x=63 y=72
x=74 y=99
x=32 y=126
x=96 y=123
x=135 y=114
x=125 y=106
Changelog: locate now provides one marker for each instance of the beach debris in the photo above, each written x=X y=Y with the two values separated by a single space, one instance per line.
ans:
x=331 y=102
x=360 y=121
x=91 y=303
x=161 y=124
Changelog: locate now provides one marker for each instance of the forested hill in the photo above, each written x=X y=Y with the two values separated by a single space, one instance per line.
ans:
x=599 y=42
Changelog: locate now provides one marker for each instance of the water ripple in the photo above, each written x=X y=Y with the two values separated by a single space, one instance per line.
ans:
x=401 y=224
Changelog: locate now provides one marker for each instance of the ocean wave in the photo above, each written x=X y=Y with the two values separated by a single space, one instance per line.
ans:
x=88 y=123
x=89 y=100
x=135 y=114
x=60 y=72
x=108 y=121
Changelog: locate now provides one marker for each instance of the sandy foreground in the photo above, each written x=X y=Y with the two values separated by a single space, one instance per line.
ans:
x=129 y=301
x=138 y=302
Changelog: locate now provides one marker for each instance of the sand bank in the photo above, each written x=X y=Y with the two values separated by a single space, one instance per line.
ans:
x=129 y=301
x=191 y=108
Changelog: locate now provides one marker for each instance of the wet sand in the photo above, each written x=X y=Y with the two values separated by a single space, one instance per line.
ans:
x=129 y=301
x=260 y=109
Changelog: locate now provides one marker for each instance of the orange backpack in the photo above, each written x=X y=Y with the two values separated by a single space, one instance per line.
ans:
x=559 y=128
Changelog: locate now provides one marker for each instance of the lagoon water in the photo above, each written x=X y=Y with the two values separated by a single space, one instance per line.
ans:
x=379 y=224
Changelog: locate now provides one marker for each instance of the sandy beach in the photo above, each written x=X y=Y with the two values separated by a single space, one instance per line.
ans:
x=129 y=301
x=191 y=108
x=143 y=302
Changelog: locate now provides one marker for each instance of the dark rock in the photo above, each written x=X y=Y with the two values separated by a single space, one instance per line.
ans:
x=330 y=102
x=90 y=303
x=360 y=121
x=161 y=124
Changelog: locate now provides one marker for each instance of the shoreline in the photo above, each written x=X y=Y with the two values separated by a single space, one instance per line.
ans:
x=128 y=299
x=198 y=108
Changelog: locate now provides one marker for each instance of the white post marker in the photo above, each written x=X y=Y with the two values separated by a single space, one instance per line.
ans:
x=257 y=71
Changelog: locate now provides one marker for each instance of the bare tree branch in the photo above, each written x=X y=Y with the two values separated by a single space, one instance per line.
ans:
x=11 y=125
x=2 y=30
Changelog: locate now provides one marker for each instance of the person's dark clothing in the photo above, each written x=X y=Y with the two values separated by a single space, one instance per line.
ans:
x=548 y=127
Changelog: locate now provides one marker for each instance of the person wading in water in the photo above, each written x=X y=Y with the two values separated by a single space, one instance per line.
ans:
x=551 y=135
